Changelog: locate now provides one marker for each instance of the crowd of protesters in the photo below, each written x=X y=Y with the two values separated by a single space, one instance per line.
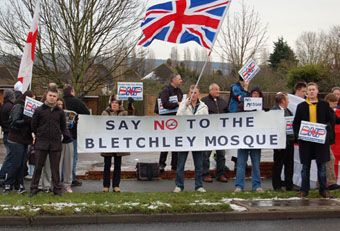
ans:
x=47 y=134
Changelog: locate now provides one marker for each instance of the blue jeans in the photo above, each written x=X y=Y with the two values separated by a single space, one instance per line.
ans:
x=75 y=159
x=198 y=163
x=242 y=158
x=322 y=177
x=17 y=157
x=4 y=166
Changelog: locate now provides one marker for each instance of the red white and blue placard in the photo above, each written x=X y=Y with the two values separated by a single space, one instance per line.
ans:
x=30 y=106
x=312 y=132
x=128 y=90
x=289 y=125
x=249 y=70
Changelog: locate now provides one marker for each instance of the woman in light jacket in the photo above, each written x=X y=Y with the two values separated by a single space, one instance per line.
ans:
x=115 y=108
x=191 y=106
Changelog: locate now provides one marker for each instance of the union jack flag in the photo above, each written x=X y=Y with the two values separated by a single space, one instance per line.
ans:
x=181 y=21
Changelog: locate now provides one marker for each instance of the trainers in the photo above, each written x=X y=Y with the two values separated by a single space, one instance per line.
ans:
x=28 y=177
x=326 y=194
x=105 y=189
x=237 y=190
x=201 y=189
x=116 y=189
x=76 y=183
x=6 y=189
x=69 y=189
x=208 y=179
x=46 y=190
x=21 y=190
x=177 y=189
x=260 y=190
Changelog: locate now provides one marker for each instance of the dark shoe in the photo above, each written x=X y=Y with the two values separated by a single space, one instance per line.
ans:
x=334 y=187
x=161 y=169
x=208 y=179
x=33 y=193
x=21 y=190
x=58 y=193
x=326 y=194
x=278 y=189
x=76 y=183
x=6 y=189
x=222 y=179
x=301 y=194
x=227 y=169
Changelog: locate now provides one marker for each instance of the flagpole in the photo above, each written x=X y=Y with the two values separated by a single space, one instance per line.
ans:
x=212 y=46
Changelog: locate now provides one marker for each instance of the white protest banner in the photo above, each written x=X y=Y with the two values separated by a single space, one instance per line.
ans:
x=289 y=125
x=249 y=70
x=30 y=106
x=312 y=132
x=128 y=90
x=162 y=110
x=181 y=133
x=252 y=103
x=293 y=102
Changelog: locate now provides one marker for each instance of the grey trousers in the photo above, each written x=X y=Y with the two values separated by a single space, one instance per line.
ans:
x=66 y=163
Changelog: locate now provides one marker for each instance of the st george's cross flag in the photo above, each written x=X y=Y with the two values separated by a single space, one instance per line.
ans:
x=26 y=65
x=181 y=21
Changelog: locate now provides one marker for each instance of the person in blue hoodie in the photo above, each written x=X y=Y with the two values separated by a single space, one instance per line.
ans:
x=238 y=91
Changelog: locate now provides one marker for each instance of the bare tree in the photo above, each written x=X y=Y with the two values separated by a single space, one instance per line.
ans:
x=74 y=37
x=242 y=36
x=311 y=48
x=187 y=58
x=333 y=47
x=151 y=62
x=174 y=56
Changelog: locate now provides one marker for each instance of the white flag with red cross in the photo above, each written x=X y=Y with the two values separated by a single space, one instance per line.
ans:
x=26 y=65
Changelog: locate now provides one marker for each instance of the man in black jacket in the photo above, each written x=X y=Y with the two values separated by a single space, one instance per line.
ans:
x=74 y=104
x=168 y=91
x=9 y=99
x=283 y=157
x=216 y=105
x=48 y=124
x=315 y=111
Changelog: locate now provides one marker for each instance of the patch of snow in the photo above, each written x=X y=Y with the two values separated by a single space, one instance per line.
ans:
x=238 y=208
x=34 y=209
x=77 y=210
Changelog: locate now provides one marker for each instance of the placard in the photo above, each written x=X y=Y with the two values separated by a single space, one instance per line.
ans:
x=312 y=132
x=289 y=125
x=249 y=70
x=128 y=90
x=70 y=117
x=162 y=110
x=252 y=103
x=30 y=106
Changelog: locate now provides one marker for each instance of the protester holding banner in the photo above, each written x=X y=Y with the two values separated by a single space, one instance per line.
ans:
x=49 y=125
x=170 y=97
x=191 y=106
x=242 y=157
x=79 y=107
x=216 y=105
x=115 y=109
x=315 y=111
x=284 y=157
x=9 y=100
x=332 y=99
x=66 y=158
x=238 y=91
x=19 y=137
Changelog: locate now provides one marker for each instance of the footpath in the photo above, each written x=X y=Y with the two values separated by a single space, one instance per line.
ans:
x=250 y=209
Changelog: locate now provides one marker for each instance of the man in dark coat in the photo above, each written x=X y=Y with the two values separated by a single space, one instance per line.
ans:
x=170 y=90
x=315 y=111
x=74 y=104
x=216 y=105
x=283 y=157
x=48 y=124
x=9 y=99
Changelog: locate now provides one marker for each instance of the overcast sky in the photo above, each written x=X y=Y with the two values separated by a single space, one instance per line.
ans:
x=286 y=18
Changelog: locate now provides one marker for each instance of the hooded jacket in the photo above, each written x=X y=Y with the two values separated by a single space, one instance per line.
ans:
x=9 y=99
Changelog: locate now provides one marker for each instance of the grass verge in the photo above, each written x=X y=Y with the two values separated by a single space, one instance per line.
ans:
x=129 y=203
